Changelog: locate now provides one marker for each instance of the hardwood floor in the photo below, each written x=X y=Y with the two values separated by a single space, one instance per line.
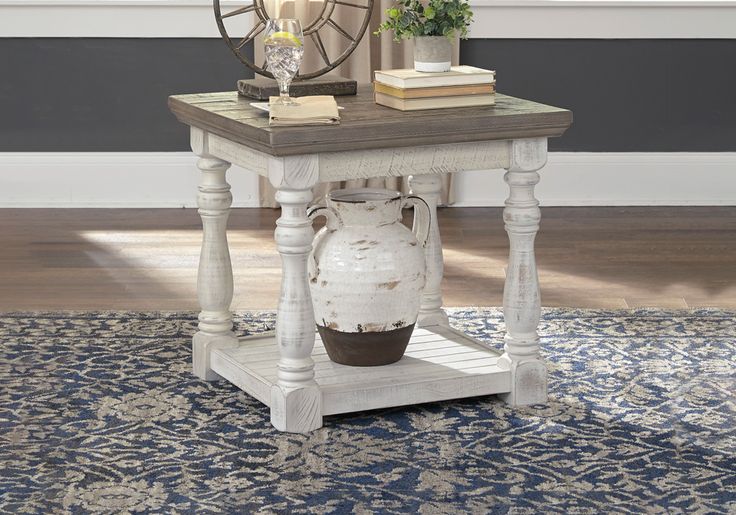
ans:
x=587 y=257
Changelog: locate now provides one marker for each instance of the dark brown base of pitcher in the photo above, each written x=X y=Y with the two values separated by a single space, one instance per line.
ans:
x=366 y=349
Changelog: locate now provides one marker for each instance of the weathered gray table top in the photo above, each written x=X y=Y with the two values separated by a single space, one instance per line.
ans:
x=365 y=125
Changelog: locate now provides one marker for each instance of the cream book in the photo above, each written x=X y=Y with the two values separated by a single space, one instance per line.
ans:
x=416 y=104
x=457 y=76
x=441 y=91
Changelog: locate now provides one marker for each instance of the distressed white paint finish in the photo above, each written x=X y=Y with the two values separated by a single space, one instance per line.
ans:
x=284 y=375
x=215 y=275
x=367 y=270
x=439 y=364
x=295 y=397
x=364 y=164
x=227 y=365
x=428 y=188
x=240 y=155
x=401 y=162
x=521 y=300
x=293 y=172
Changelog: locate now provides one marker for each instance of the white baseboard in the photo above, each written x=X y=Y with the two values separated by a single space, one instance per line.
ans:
x=110 y=179
x=617 y=179
x=169 y=179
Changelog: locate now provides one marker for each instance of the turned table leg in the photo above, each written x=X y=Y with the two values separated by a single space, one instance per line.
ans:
x=428 y=187
x=296 y=401
x=215 y=277
x=521 y=302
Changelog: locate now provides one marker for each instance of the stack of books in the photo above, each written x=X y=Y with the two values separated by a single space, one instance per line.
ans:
x=409 y=90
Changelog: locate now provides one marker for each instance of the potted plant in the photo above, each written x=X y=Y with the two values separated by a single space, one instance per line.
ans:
x=433 y=24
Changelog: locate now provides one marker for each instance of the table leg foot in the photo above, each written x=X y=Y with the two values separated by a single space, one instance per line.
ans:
x=528 y=382
x=296 y=410
x=521 y=299
x=202 y=346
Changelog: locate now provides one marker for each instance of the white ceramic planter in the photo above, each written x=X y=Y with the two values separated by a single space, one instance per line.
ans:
x=432 y=54
x=366 y=275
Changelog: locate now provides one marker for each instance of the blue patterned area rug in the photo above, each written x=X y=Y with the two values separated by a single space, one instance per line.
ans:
x=99 y=413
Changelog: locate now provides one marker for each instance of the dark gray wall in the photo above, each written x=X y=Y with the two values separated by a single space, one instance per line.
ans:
x=105 y=94
x=627 y=95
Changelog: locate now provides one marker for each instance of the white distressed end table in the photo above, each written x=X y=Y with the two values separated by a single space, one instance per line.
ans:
x=289 y=370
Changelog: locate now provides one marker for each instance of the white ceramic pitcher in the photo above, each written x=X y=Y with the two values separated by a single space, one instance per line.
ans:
x=366 y=274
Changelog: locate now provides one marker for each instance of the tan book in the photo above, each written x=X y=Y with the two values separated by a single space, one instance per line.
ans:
x=457 y=76
x=442 y=91
x=417 y=104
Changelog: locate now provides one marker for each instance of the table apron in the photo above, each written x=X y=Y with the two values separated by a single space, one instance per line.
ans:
x=362 y=164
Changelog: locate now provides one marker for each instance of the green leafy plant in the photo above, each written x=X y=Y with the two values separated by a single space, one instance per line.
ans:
x=412 y=18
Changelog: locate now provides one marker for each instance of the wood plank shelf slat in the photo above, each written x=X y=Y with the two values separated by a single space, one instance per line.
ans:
x=439 y=364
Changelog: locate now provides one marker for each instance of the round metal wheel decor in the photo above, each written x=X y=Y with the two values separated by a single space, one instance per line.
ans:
x=322 y=22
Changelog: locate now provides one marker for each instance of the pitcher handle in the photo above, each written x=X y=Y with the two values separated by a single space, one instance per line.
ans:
x=333 y=218
x=422 y=218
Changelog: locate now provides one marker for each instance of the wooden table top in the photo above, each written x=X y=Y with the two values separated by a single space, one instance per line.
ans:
x=366 y=125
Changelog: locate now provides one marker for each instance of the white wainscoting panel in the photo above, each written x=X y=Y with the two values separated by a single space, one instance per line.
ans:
x=110 y=179
x=603 y=19
x=112 y=18
x=565 y=19
x=169 y=179
x=617 y=179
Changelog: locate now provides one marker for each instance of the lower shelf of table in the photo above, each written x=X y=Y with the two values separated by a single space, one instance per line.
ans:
x=440 y=364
